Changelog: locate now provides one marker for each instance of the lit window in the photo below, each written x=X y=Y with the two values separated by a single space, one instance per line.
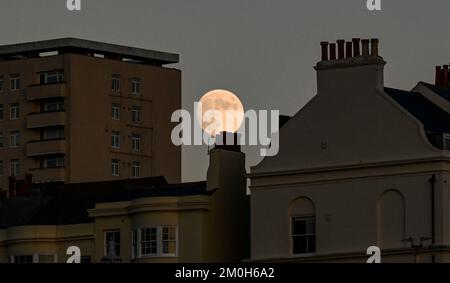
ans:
x=136 y=114
x=115 y=83
x=115 y=167
x=303 y=235
x=136 y=142
x=115 y=111
x=136 y=86
x=136 y=169
x=14 y=82
x=14 y=112
x=115 y=140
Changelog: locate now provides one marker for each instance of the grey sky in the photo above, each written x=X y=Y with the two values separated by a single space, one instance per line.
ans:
x=263 y=50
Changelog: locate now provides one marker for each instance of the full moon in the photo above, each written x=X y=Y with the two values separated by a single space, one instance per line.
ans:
x=220 y=111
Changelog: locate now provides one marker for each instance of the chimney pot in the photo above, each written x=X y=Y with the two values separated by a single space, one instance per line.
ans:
x=333 y=51
x=356 y=50
x=349 y=49
x=324 y=45
x=365 y=47
x=341 y=44
x=445 y=75
x=438 y=77
x=374 y=47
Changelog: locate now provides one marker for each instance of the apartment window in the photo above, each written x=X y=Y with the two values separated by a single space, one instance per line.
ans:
x=115 y=139
x=112 y=243
x=1 y=168
x=136 y=142
x=1 y=111
x=52 y=77
x=14 y=82
x=53 y=162
x=52 y=134
x=149 y=241
x=115 y=81
x=115 y=167
x=14 y=139
x=2 y=143
x=14 y=167
x=136 y=86
x=22 y=259
x=46 y=259
x=115 y=111
x=136 y=114
x=155 y=241
x=53 y=106
x=14 y=111
x=303 y=235
x=1 y=83
x=136 y=169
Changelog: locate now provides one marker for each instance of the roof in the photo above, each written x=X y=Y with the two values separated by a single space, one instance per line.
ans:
x=442 y=91
x=70 y=44
x=64 y=204
x=433 y=118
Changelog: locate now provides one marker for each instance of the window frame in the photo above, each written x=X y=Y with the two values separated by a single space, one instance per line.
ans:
x=137 y=247
x=115 y=162
x=136 y=140
x=136 y=168
x=16 y=164
x=14 y=82
x=136 y=86
x=14 y=108
x=115 y=83
x=115 y=137
x=105 y=243
x=14 y=135
x=306 y=234
x=115 y=109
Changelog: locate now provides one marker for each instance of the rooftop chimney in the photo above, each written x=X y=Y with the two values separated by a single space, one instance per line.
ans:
x=348 y=49
x=445 y=75
x=374 y=47
x=333 y=51
x=324 y=45
x=356 y=51
x=341 y=44
x=365 y=47
x=438 y=78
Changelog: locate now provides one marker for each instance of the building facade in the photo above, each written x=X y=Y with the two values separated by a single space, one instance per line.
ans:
x=359 y=166
x=74 y=110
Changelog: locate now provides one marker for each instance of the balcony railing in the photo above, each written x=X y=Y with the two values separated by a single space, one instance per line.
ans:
x=36 y=92
x=46 y=119
x=46 y=147
x=45 y=175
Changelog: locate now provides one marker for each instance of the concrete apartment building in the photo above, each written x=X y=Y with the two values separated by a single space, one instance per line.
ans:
x=360 y=165
x=137 y=220
x=73 y=111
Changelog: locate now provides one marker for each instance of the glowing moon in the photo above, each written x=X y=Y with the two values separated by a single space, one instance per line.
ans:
x=220 y=111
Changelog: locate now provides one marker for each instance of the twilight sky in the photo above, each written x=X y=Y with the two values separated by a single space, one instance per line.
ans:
x=262 y=50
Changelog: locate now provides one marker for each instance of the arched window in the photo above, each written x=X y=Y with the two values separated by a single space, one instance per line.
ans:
x=303 y=226
x=391 y=219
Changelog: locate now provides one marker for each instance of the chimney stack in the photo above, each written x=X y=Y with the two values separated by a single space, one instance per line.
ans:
x=348 y=49
x=445 y=75
x=365 y=47
x=324 y=45
x=374 y=45
x=333 y=51
x=438 y=78
x=356 y=51
x=341 y=44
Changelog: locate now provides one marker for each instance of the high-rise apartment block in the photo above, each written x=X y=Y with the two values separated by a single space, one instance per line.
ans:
x=75 y=111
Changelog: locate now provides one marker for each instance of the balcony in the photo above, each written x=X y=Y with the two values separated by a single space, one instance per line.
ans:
x=46 y=147
x=46 y=119
x=37 y=92
x=46 y=175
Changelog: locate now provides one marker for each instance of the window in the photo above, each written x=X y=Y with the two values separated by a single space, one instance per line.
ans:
x=1 y=83
x=115 y=167
x=14 y=139
x=149 y=241
x=14 y=82
x=14 y=111
x=115 y=83
x=52 y=77
x=53 y=106
x=1 y=111
x=115 y=139
x=46 y=259
x=2 y=143
x=303 y=235
x=14 y=167
x=1 y=168
x=136 y=142
x=52 y=134
x=115 y=111
x=112 y=243
x=53 y=162
x=22 y=259
x=155 y=241
x=136 y=114
x=136 y=169
x=135 y=86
